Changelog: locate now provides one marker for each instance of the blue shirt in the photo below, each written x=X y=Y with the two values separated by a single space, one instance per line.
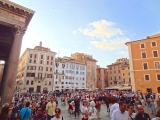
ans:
x=23 y=111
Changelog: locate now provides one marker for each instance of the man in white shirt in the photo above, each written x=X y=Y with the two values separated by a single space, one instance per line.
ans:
x=121 y=113
x=114 y=106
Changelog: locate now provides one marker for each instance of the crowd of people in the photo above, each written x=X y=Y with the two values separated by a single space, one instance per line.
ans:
x=121 y=105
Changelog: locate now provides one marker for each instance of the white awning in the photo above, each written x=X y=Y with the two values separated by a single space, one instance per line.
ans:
x=125 y=88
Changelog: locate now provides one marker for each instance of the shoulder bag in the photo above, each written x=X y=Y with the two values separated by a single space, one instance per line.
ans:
x=24 y=114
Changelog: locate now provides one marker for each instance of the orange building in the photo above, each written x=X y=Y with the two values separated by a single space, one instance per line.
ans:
x=144 y=59
x=102 y=78
x=91 y=76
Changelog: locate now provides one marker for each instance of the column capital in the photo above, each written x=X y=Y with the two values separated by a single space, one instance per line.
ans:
x=18 y=30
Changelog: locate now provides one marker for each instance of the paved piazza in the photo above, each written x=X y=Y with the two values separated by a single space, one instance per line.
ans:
x=104 y=115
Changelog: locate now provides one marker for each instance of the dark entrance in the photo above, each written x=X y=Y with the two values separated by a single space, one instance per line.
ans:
x=31 y=89
x=38 y=88
x=149 y=90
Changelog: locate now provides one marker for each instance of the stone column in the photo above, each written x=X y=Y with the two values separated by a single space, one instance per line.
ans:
x=11 y=65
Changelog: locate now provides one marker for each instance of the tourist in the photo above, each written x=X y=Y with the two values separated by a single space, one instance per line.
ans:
x=120 y=113
x=26 y=113
x=50 y=108
x=114 y=106
x=4 y=112
x=84 y=110
x=157 y=115
x=151 y=104
x=130 y=109
x=58 y=115
x=77 y=106
x=98 y=107
x=157 y=105
x=15 y=111
x=92 y=111
x=141 y=114
x=40 y=114
x=70 y=107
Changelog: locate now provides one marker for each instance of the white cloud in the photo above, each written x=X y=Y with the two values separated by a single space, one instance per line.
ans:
x=124 y=53
x=74 y=32
x=110 y=44
x=102 y=29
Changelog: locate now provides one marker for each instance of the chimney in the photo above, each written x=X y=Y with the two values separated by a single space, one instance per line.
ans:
x=40 y=44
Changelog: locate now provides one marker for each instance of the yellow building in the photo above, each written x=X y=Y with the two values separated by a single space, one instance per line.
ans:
x=91 y=79
x=118 y=73
x=144 y=59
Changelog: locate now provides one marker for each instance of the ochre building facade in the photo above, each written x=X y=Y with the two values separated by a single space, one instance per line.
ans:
x=144 y=62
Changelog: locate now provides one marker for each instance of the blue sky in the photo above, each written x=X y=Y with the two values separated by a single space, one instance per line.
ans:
x=96 y=27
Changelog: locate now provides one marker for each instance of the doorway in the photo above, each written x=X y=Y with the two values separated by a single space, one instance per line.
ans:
x=38 y=89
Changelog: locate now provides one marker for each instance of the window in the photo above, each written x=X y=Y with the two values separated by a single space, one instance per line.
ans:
x=157 y=65
x=56 y=76
x=50 y=69
x=46 y=68
x=111 y=83
x=88 y=67
x=158 y=76
x=145 y=66
x=39 y=76
x=142 y=46
x=143 y=55
x=51 y=58
x=110 y=68
x=56 y=82
x=41 y=56
x=153 y=44
x=41 y=62
x=47 y=57
x=49 y=83
x=40 y=68
x=155 y=54
x=27 y=83
x=146 y=77
x=123 y=74
x=35 y=56
x=129 y=80
x=45 y=83
x=129 y=73
x=119 y=77
x=111 y=78
x=32 y=82
x=118 y=71
x=47 y=62
x=34 y=61
x=30 y=55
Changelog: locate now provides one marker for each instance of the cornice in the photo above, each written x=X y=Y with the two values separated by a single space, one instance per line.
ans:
x=15 y=5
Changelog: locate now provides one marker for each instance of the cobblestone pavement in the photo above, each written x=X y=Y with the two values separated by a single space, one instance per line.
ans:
x=104 y=115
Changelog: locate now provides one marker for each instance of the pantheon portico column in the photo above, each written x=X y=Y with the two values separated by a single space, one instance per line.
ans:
x=11 y=65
